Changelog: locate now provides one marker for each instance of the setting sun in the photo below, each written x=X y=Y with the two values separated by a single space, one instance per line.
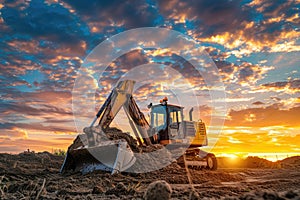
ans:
x=227 y=155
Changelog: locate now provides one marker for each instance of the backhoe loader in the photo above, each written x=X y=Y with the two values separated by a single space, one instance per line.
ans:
x=104 y=148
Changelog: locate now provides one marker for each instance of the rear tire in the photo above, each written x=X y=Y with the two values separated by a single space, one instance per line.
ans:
x=211 y=161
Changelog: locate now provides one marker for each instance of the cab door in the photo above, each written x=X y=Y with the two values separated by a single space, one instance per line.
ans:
x=175 y=123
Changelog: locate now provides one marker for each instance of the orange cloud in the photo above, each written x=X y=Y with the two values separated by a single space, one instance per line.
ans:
x=272 y=115
x=290 y=86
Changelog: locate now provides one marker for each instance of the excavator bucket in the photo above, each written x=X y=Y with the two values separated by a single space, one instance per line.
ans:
x=97 y=150
x=107 y=155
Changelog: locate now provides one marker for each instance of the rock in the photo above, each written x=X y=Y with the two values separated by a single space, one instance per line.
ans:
x=158 y=190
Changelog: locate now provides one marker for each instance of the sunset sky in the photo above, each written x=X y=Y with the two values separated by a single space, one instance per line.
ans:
x=255 y=45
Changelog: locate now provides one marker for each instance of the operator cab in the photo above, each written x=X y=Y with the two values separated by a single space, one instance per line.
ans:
x=166 y=119
x=169 y=127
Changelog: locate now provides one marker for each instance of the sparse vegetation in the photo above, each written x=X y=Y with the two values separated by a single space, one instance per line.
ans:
x=59 y=152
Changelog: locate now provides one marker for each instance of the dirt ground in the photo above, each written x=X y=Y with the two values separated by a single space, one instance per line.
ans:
x=36 y=176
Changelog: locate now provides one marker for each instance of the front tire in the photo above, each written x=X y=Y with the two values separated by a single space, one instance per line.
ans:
x=211 y=161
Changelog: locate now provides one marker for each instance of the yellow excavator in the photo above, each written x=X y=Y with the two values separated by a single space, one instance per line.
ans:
x=105 y=148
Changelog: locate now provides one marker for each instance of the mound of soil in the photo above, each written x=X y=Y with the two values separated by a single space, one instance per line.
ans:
x=291 y=162
x=110 y=134
x=148 y=158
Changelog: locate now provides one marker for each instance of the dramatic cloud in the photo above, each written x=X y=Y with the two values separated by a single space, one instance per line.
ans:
x=127 y=14
x=211 y=17
x=29 y=19
x=254 y=44
x=292 y=86
x=267 y=116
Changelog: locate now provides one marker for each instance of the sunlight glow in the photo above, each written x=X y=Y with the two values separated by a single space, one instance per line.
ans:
x=228 y=155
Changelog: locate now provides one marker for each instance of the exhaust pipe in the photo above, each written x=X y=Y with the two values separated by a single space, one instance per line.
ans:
x=191 y=114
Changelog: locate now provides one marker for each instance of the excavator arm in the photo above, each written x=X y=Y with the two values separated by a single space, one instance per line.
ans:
x=139 y=125
x=121 y=96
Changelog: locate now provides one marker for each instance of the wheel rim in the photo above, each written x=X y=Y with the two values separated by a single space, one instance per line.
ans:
x=210 y=162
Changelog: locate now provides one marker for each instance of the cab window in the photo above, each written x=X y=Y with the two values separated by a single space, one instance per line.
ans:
x=158 y=116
